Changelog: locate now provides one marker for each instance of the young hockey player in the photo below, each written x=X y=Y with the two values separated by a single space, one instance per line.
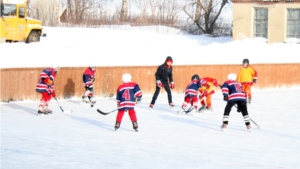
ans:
x=45 y=86
x=247 y=76
x=208 y=85
x=233 y=94
x=191 y=94
x=128 y=94
x=88 y=77
x=163 y=77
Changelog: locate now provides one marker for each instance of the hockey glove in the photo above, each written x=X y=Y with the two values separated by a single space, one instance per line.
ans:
x=225 y=98
x=204 y=93
x=159 y=84
x=254 y=80
x=172 y=85
x=53 y=94
x=49 y=82
x=138 y=99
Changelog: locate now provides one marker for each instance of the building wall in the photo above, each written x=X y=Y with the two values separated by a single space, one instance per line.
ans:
x=19 y=83
x=243 y=20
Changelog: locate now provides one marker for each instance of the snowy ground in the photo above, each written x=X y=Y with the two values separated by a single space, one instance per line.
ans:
x=139 y=46
x=86 y=139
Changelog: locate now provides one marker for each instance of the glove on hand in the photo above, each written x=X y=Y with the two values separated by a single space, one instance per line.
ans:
x=254 y=80
x=225 y=98
x=53 y=94
x=159 y=84
x=49 y=82
x=138 y=99
x=172 y=85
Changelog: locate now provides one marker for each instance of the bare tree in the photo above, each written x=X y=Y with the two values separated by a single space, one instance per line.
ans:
x=78 y=10
x=205 y=14
x=45 y=10
x=124 y=11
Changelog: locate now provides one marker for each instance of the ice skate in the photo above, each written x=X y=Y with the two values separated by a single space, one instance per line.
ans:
x=135 y=126
x=48 y=111
x=201 y=109
x=42 y=111
x=181 y=111
x=249 y=128
x=172 y=105
x=85 y=99
x=223 y=127
x=208 y=109
x=151 y=106
x=92 y=101
x=117 y=125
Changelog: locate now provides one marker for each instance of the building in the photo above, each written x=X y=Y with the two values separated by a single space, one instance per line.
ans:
x=273 y=20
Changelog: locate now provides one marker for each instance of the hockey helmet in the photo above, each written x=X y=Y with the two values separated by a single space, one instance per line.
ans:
x=195 y=77
x=55 y=67
x=246 y=61
x=231 y=76
x=126 y=77
x=92 y=66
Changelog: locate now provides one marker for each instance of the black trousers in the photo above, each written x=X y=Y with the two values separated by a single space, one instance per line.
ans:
x=157 y=90
x=241 y=106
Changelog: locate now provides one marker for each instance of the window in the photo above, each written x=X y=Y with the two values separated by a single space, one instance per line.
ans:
x=261 y=22
x=293 y=23
x=9 y=10
x=21 y=12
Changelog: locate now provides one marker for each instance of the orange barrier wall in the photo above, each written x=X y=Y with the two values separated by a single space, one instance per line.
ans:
x=19 y=83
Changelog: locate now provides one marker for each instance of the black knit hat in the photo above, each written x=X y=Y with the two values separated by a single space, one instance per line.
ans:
x=169 y=58
x=246 y=61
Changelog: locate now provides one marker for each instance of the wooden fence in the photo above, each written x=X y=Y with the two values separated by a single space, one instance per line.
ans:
x=19 y=83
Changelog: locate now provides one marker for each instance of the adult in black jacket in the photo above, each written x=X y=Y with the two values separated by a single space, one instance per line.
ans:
x=163 y=77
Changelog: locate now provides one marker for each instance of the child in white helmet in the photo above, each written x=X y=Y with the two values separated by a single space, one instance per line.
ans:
x=128 y=94
x=233 y=94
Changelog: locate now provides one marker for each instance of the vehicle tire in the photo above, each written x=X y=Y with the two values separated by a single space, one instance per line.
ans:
x=33 y=37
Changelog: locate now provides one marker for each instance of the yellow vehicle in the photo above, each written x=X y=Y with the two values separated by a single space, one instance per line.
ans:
x=15 y=26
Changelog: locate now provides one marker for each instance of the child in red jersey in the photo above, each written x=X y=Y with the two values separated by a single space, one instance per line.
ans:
x=88 y=78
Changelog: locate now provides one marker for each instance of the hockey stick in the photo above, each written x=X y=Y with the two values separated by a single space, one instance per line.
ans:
x=104 y=113
x=192 y=107
x=189 y=110
x=255 y=123
x=250 y=119
x=62 y=108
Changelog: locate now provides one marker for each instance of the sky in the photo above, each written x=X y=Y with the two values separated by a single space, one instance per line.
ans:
x=139 y=46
